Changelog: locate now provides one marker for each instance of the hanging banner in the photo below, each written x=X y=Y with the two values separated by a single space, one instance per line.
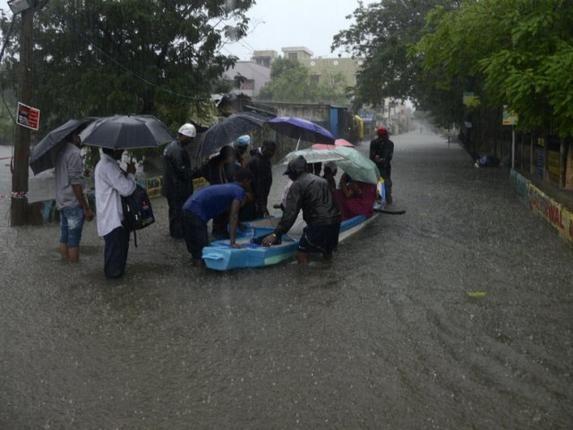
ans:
x=28 y=116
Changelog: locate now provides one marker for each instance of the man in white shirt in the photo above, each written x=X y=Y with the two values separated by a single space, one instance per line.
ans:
x=111 y=183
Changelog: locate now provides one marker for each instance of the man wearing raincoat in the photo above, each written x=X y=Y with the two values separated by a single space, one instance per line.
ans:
x=313 y=196
x=178 y=178
x=381 y=152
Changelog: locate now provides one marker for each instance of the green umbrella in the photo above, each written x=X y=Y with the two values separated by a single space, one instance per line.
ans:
x=356 y=165
x=349 y=160
x=314 y=155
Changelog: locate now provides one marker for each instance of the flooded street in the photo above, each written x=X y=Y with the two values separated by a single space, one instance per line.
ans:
x=387 y=336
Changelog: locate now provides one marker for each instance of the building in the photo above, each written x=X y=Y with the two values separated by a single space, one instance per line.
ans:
x=321 y=68
x=297 y=53
x=248 y=77
x=264 y=58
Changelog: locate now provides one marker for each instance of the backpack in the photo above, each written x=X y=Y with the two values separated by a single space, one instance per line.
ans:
x=137 y=211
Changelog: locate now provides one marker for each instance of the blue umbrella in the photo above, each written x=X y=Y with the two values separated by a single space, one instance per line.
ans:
x=301 y=129
x=43 y=156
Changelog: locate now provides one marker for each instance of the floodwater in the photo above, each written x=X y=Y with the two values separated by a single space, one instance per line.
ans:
x=384 y=337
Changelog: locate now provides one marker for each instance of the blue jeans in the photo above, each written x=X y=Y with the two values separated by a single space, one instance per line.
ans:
x=71 y=225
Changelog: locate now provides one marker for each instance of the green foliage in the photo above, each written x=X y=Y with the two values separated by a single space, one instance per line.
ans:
x=102 y=57
x=333 y=89
x=382 y=35
x=516 y=52
x=291 y=82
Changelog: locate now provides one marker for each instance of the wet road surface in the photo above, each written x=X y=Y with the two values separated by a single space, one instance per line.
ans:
x=385 y=337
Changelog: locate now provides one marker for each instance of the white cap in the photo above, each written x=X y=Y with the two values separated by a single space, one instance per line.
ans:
x=188 y=130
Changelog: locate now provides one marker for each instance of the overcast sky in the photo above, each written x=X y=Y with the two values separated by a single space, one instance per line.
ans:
x=279 y=23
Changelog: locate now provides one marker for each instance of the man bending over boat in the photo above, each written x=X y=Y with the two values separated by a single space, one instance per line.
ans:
x=312 y=194
x=212 y=202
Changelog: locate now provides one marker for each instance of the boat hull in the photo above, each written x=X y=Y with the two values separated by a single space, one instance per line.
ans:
x=220 y=256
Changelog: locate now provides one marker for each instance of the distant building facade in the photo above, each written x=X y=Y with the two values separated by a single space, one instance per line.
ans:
x=248 y=77
x=264 y=58
x=297 y=53
x=321 y=68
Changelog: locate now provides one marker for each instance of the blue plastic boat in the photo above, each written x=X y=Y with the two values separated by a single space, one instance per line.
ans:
x=219 y=255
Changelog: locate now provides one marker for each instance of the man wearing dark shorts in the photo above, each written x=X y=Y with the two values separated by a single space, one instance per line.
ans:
x=212 y=202
x=313 y=195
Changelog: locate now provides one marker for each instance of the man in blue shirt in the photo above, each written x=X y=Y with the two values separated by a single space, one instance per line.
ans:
x=209 y=203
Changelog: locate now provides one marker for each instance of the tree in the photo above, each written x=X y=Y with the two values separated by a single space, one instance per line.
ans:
x=291 y=82
x=101 y=57
x=516 y=52
x=383 y=35
x=333 y=89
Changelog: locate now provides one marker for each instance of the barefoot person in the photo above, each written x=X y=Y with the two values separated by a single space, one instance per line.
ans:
x=70 y=200
x=313 y=196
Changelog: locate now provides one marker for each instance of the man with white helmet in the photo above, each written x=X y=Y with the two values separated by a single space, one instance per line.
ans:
x=178 y=178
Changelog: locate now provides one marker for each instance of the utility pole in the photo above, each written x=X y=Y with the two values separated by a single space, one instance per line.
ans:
x=19 y=206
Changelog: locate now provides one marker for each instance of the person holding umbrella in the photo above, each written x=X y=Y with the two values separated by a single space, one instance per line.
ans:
x=178 y=178
x=111 y=183
x=114 y=135
x=381 y=152
x=70 y=200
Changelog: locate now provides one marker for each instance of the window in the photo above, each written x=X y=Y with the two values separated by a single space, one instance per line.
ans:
x=248 y=84
x=292 y=56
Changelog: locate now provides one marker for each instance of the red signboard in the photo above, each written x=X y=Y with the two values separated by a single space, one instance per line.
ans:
x=28 y=116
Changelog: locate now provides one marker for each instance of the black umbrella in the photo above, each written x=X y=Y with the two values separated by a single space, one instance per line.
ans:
x=43 y=156
x=228 y=130
x=126 y=132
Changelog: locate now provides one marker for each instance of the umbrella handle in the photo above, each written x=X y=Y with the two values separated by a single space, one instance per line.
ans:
x=297 y=144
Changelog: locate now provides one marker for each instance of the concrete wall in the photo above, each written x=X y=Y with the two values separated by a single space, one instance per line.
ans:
x=553 y=212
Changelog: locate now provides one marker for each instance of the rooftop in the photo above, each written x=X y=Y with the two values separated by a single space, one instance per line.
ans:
x=298 y=49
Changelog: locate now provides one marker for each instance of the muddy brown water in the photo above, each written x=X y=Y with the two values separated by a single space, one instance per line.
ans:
x=384 y=337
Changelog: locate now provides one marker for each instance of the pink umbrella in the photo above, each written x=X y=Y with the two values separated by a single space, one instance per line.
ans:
x=338 y=142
